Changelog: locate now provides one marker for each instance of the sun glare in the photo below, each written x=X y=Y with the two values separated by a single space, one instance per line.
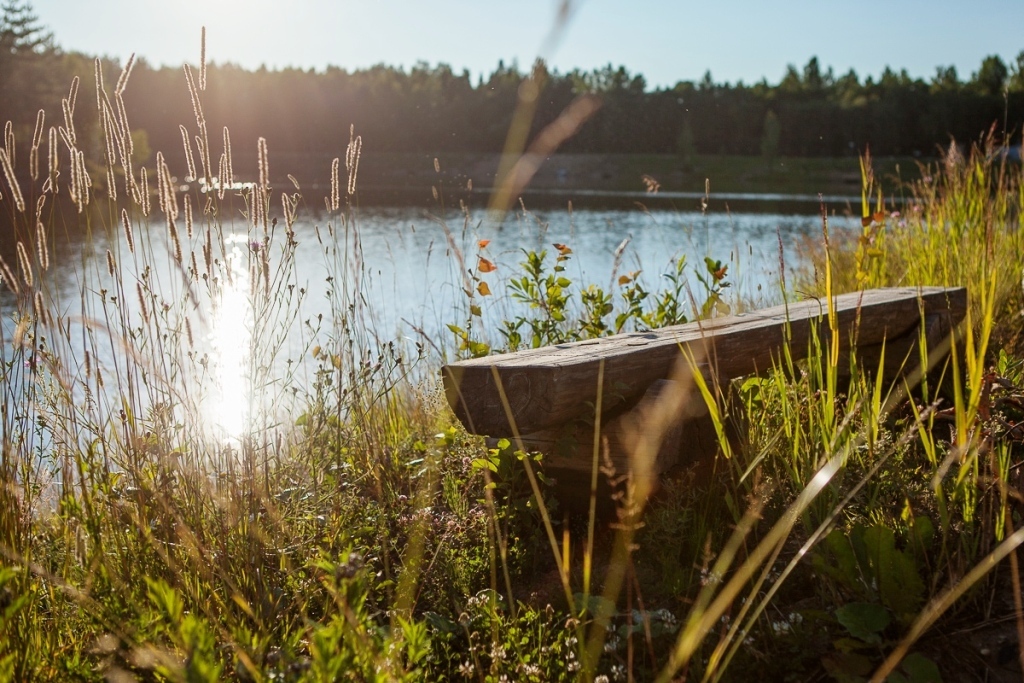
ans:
x=230 y=339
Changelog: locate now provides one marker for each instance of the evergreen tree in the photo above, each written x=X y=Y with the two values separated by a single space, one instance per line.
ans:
x=1016 y=82
x=20 y=30
x=991 y=77
x=27 y=58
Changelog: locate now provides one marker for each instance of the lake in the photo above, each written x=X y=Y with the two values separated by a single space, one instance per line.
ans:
x=375 y=276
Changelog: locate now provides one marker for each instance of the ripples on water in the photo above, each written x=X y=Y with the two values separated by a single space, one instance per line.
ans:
x=399 y=275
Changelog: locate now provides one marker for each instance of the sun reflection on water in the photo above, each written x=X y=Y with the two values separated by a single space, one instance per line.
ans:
x=230 y=339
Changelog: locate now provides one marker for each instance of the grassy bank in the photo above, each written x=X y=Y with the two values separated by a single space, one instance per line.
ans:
x=845 y=529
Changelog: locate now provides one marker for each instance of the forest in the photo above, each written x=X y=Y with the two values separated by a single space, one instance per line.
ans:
x=307 y=115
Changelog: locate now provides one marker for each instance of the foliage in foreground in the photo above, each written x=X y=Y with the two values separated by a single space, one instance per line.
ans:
x=374 y=540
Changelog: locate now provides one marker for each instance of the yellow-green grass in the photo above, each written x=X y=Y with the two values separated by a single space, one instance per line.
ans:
x=370 y=538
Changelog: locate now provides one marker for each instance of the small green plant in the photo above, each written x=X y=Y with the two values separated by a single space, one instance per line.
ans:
x=714 y=284
x=548 y=294
x=865 y=563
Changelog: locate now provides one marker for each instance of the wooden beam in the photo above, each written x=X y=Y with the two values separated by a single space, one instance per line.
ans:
x=537 y=389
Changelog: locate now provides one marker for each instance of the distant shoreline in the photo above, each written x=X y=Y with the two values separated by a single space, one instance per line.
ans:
x=796 y=185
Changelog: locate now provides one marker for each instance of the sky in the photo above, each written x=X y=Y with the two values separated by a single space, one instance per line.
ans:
x=666 y=41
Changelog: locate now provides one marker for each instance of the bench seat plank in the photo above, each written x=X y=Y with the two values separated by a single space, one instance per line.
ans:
x=548 y=386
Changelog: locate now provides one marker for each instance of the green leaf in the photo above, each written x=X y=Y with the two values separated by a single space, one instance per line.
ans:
x=484 y=464
x=900 y=587
x=165 y=599
x=920 y=669
x=864 y=620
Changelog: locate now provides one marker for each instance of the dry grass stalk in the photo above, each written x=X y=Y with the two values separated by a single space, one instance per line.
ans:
x=26 y=266
x=8 y=277
x=197 y=109
x=161 y=185
x=122 y=81
x=86 y=179
x=289 y=205
x=259 y=206
x=100 y=89
x=335 y=190
x=142 y=302
x=203 y=159
x=352 y=154
x=53 y=160
x=170 y=188
x=126 y=131
x=264 y=162
x=222 y=164
x=144 y=190
x=128 y=235
x=40 y=309
x=68 y=140
x=175 y=242
x=42 y=251
x=37 y=140
x=229 y=176
x=188 y=215
x=208 y=251
x=68 y=106
x=189 y=160
x=109 y=137
x=12 y=181
x=9 y=146
x=202 y=61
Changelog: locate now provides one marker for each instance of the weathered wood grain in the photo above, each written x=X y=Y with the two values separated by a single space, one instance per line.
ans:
x=548 y=386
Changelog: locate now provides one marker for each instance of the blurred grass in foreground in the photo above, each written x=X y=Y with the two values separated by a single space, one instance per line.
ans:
x=370 y=538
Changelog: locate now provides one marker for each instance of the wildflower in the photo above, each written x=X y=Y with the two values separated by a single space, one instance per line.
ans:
x=664 y=615
x=532 y=670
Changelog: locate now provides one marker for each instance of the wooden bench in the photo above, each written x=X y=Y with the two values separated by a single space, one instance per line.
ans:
x=548 y=396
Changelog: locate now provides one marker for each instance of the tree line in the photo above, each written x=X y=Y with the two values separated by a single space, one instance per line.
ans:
x=306 y=115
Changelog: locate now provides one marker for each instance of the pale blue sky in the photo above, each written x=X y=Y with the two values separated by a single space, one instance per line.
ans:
x=665 y=41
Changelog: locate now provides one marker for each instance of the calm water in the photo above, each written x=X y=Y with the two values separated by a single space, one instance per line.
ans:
x=396 y=271
x=413 y=276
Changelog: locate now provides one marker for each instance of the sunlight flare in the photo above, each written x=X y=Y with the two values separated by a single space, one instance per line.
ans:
x=231 y=340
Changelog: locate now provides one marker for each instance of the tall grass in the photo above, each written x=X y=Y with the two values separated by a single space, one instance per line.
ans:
x=153 y=524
